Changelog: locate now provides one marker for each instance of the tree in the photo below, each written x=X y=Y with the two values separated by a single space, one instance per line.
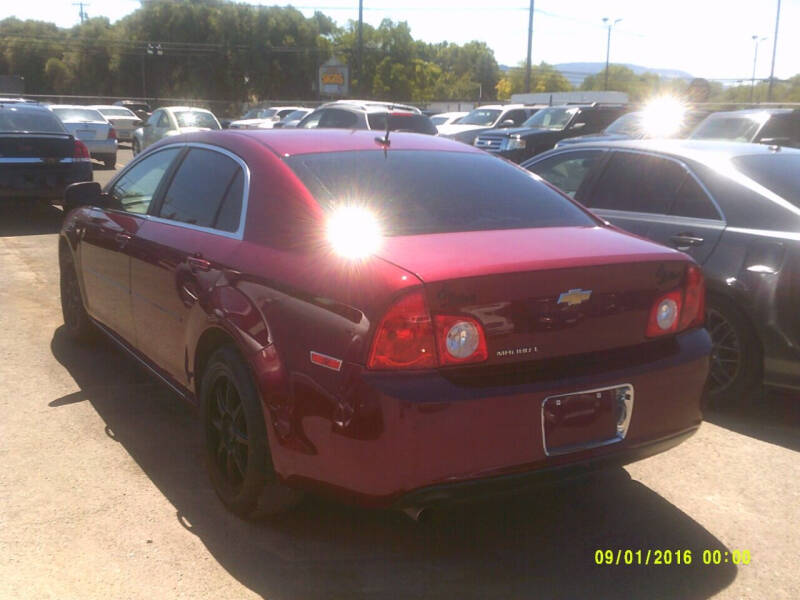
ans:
x=544 y=78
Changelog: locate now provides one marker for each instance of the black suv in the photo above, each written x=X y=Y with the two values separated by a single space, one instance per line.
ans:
x=548 y=126
x=771 y=126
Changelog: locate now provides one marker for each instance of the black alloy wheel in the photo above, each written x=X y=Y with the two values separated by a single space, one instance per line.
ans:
x=235 y=439
x=735 y=361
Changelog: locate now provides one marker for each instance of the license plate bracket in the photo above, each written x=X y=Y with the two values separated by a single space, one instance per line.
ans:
x=586 y=419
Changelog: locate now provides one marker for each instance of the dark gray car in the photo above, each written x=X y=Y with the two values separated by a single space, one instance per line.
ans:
x=735 y=208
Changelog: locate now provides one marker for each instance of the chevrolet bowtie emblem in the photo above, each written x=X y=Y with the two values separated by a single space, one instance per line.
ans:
x=574 y=297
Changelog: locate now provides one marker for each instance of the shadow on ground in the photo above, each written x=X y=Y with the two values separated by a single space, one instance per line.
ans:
x=28 y=217
x=773 y=417
x=540 y=545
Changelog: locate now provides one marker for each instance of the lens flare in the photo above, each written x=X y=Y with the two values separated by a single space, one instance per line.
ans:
x=663 y=117
x=353 y=232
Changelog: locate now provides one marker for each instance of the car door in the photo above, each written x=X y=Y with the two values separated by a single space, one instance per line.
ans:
x=634 y=190
x=180 y=252
x=105 y=262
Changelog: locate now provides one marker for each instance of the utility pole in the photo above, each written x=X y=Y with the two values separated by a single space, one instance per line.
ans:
x=756 y=39
x=530 y=44
x=360 y=43
x=774 y=50
x=610 y=24
x=82 y=10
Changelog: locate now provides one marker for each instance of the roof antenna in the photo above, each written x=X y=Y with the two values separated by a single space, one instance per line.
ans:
x=384 y=141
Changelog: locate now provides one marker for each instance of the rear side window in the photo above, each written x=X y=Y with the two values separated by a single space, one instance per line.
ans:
x=783 y=129
x=637 y=183
x=335 y=118
x=567 y=171
x=421 y=192
x=692 y=201
x=402 y=122
x=203 y=191
x=779 y=173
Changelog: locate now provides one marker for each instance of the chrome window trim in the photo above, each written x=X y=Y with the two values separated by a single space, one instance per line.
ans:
x=622 y=428
x=239 y=233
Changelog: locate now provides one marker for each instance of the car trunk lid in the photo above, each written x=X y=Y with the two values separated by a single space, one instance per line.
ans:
x=543 y=293
x=30 y=145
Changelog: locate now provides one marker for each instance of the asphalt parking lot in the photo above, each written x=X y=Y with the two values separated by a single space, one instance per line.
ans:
x=103 y=493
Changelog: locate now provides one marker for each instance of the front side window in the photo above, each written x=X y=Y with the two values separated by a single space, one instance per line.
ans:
x=638 y=183
x=338 y=119
x=201 y=191
x=422 y=192
x=567 y=171
x=312 y=120
x=551 y=118
x=134 y=191
x=163 y=121
x=485 y=117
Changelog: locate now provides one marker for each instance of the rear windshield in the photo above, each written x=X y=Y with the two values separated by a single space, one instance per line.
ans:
x=740 y=129
x=779 y=173
x=420 y=192
x=194 y=118
x=78 y=114
x=41 y=121
x=116 y=112
x=630 y=124
x=402 y=122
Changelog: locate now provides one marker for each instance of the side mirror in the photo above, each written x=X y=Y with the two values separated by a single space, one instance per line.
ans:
x=506 y=124
x=84 y=193
x=776 y=141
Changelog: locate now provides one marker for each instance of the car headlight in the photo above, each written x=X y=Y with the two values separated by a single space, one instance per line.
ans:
x=514 y=143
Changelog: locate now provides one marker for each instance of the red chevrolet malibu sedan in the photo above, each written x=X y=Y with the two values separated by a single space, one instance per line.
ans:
x=394 y=322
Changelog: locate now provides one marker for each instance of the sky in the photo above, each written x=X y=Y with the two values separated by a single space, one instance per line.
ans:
x=706 y=38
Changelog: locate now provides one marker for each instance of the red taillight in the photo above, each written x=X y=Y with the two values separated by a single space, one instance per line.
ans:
x=681 y=308
x=80 y=151
x=407 y=338
x=112 y=133
x=404 y=338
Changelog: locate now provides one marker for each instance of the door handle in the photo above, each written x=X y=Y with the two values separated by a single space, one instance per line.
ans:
x=686 y=240
x=123 y=238
x=198 y=263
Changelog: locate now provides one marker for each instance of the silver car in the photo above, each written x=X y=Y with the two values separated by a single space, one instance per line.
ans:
x=92 y=128
x=124 y=120
x=172 y=120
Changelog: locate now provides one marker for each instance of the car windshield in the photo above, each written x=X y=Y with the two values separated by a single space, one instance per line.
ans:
x=776 y=172
x=14 y=120
x=630 y=124
x=72 y=115
x=259 y=113
x=116 y=112
x=423 y=192
x=481 y=116
x=196 y=118
x=739 y=129
x=296 y=115
x=550 y=118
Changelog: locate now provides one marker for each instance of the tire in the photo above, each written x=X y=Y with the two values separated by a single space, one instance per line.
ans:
x=135 y=149
x=76 y=320
x=735 y=369
x=110 y=162
x=235 y=440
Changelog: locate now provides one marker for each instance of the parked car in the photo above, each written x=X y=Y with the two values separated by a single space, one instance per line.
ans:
x=484 y=331
x=446 y=118
x=172 y=120
x=368 y=114
x=39 y=158
x=484 y=118
x=634 y=126
x=735 y=208
x=122 y=119
x=92 y=128
x=140 y=108
x=293 y=118
x=774 y=126
x=262 y=118
x=547 y=127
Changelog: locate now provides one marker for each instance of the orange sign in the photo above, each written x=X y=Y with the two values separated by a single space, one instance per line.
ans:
x=333 y=77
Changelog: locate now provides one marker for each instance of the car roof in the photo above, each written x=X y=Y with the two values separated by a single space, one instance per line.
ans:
x=184 y=108
x=703 y=151
x=71 y=106
x=752 y=111
x=291 y=142
x=99 y=106
x=371 y=105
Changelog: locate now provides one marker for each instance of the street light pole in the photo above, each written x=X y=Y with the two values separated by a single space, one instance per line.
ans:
x=360 y=43
x=530 y=42
x=774 y=50
x=610 y=24
x=756 y=39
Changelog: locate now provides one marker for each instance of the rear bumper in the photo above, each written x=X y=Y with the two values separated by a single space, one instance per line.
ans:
x=101 y=147
x=383 y=436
